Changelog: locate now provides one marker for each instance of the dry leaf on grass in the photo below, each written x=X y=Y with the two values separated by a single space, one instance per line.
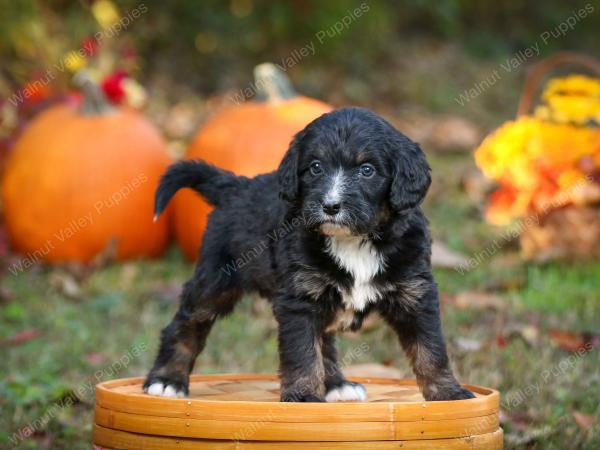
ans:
x=440 y=133
x=66 y=284
x=467 y=344
x=584 y=421
x=478 y=300
x=454 y=133
x=374 y=370
x=442 y=256
x=6 y=294
x=22 y=337
x=575 y=341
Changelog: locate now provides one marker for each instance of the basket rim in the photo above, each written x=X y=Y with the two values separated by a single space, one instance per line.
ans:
x=247 y=411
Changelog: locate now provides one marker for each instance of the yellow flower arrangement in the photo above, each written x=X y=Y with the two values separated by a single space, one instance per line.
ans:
x=573 y=99
x=537 y=159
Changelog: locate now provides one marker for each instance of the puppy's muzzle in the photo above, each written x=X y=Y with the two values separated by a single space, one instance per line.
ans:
x=331 y=208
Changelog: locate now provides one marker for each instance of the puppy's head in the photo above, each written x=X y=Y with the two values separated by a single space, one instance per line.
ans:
x=349 y=170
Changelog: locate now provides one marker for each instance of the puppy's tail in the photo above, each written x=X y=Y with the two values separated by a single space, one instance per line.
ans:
x=214 y=184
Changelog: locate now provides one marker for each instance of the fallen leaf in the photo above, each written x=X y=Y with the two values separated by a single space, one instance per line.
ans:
x=500 y=341
x=445 y=133
x=23 y=336
x=584 y=421
x=528 y=332
x=442 y=256
x=575 y=341
x=478 y=300
x=6 y=294
x=373 y=370
x=467 y=344
x=128 y=273
x=66 y=284
x=454 y=133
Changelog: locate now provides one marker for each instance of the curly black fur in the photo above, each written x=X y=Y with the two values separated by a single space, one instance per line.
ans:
x=336 y=230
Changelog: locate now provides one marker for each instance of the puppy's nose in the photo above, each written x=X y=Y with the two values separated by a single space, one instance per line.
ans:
x=331 y=208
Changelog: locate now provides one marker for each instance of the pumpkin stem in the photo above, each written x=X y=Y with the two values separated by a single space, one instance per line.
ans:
x=272 y=84
x=94 y=101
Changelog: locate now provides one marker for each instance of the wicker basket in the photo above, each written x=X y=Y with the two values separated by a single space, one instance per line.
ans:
x=570 y=232
x=243 y=412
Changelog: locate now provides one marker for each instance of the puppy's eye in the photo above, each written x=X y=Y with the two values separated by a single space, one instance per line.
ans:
x=367 y=170
x=316 y=168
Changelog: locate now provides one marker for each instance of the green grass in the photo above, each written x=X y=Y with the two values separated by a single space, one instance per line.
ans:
x=126 y=305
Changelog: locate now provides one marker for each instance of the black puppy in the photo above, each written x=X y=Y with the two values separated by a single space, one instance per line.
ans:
x=336 y=233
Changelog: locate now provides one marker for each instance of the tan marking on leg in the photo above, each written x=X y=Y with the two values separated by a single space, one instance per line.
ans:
x=311 y=382
x=411 y=293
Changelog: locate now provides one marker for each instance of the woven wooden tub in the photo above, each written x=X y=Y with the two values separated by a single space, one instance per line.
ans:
x=243 y=412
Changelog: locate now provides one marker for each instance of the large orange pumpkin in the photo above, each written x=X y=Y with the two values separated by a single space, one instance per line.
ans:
x=248 y=139
x=83 y=176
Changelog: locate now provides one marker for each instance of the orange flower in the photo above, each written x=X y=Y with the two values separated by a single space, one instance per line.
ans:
x=537 y=161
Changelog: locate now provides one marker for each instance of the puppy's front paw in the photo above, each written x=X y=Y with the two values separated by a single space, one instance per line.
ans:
x=461 y=394
x=161 y=387
x=300 y=397
x=456 y=392
x=347 y=392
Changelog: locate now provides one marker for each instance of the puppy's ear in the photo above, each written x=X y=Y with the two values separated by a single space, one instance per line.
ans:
x=287 y=172
x=412 y=175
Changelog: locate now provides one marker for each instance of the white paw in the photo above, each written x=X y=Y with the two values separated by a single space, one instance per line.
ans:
x=160 y=390
x=347 y=393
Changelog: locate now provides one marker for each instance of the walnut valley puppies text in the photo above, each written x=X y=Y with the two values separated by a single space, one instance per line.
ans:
x=514 y=62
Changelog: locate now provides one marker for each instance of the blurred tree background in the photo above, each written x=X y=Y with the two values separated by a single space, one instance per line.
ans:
x=212 y=45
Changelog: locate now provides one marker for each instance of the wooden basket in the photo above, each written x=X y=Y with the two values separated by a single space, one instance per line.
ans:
x=243 y=412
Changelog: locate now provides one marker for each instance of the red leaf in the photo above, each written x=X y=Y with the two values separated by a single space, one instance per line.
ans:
x=24 y=336
x=500 y=341
x=575 y=341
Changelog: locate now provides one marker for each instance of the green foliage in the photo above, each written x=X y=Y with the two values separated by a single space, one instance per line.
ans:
x=223 y=40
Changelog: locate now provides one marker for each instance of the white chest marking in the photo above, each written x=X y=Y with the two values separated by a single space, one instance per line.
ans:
x=359 y=258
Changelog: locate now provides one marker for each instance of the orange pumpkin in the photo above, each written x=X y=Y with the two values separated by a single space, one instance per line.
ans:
x=248 y=139
x=83 y=176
